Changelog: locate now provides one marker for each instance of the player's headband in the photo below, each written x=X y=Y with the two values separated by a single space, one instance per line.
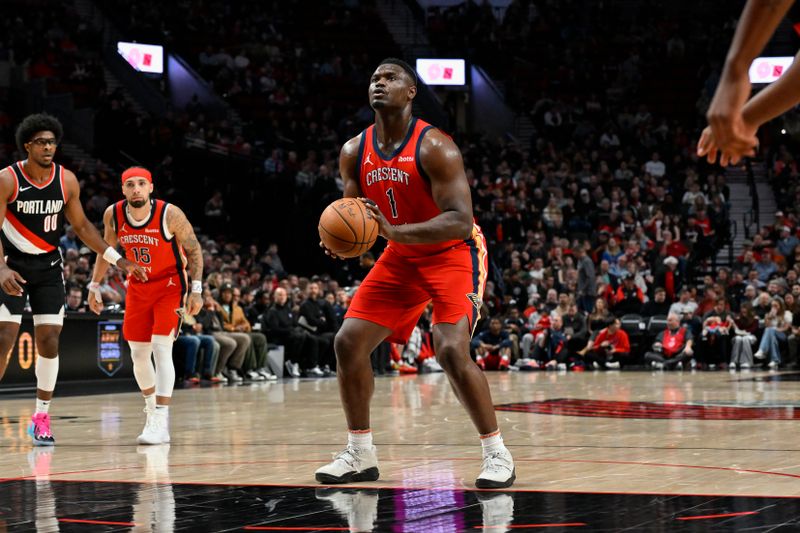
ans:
x=136 y=172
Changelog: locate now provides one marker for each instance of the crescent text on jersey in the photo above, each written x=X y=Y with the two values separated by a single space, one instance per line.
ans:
x=387 y=174
x=137 y=238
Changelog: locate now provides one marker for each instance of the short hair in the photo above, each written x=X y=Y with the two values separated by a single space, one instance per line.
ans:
x=32 y=124
x=402 y=64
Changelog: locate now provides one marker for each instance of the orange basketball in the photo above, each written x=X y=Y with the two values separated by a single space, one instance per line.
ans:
x=347 y=228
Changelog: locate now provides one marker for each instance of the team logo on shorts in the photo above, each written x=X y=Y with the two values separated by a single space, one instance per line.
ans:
x=475 y=299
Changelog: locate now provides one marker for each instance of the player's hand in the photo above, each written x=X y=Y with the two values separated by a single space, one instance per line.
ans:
x=132 y=269
x=194 y=303
x=328 y=252
x=724 y=116
x=707 y=147
x=10 y=281
x=385 y=228
x=95 y=302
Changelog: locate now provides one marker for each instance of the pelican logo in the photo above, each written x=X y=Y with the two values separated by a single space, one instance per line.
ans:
x=368 y=161
x=475 y=299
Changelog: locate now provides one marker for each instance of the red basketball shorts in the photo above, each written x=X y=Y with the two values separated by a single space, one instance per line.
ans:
x=152 y=308
x=397 y=289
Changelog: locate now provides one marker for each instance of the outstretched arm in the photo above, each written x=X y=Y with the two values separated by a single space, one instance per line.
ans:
x=89 y=234
x=100 y=264
x=179 y=225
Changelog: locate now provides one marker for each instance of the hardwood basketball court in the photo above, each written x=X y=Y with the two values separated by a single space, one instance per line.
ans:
x=593 y=451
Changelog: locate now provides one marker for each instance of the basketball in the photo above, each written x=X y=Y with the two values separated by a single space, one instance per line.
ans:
x=347 y=228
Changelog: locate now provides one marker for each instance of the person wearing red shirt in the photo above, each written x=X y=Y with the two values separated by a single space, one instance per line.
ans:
x=610 y=348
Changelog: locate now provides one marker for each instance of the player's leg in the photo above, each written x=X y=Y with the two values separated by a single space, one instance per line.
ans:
x=456 y=280
x=164 y=328
x=353 y=344
x=385 y=305
x=46 y=291
x=8 y=334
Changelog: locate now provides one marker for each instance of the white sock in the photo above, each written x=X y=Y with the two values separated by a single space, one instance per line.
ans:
x=360 y=439
x=42 y=406
x=492 y=442
x=150 y=402
x=162 y=408
x=46 y=373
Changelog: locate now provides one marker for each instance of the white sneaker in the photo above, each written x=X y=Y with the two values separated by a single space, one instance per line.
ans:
x=358 y=507
x=269 y=376
x=497 y=470
x=773 y=365
x=745 y=366
x=315 y=372
x=350 y=465
x=498 y=510
x=432 y=365
x=293 y=369
x=657 y=365
x=613 y=365
x=759 y=354
x=156 y=428
x=252 y=375
x=220 y=377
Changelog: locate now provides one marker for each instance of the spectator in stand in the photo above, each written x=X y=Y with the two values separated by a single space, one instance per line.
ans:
x=766 y=267
x=669 y=277
x=672 y=347
x=576 y=330
x=550 y=350
x=600 y=318
x=788 y=242
x=610 y=349
x=493 y=347
x=777 y=324
x=716 y=335
x=235 y=323
x=762 y=305
x=280 y=323
x=745 y=330
x=629 y=298
x=75 y=301
x=655 y=167
x=514 y=324
x=317 y=316
x=69 y=241
x=233 y=345
x=658 y=306
x=587 y=287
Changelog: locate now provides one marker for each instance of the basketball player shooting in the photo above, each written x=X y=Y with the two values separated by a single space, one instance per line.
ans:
x=36 y=196
x=734 y=117
x=413 y=178
x=160 y=239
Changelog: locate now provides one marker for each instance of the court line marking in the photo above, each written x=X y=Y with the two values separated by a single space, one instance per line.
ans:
x=709 y=516
x=97 y=522
x=428 y=460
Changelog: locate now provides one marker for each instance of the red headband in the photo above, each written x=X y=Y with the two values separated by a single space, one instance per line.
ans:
x=136 y=172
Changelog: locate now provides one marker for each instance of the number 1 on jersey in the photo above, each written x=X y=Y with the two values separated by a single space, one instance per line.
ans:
x=392 y=202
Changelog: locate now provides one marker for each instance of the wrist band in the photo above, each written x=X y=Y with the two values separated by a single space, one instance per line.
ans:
x=111 y=255
x=197 y=286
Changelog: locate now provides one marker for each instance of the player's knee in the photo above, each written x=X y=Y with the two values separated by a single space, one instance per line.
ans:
x=451 y=356
x=346 y=347
x=47 y=344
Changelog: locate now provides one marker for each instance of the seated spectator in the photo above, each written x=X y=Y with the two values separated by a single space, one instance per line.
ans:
x=69 y=241
x=745 y=330
x=670 y=278
x=492 y=347
x=762 y=305
x=629 y=298
x=256 y=358
x=716 y=335
x=514 y=324
x=280 y=323
x=777 y=324
x=672 y=347
x=75 y=302
x=317 y=316
x=576 y=330
x=600 y=318
x=233 y=345
x=658 y=306
x=236 y=325
x=610 y=349
x=550 y=350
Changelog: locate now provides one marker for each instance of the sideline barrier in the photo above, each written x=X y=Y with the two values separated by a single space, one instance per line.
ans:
x=91 y=347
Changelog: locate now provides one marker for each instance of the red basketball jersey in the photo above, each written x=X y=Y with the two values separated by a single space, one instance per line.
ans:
x=397 y=183
x=149 y=244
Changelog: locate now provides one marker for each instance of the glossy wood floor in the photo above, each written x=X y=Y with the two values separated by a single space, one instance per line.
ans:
x=617 y=434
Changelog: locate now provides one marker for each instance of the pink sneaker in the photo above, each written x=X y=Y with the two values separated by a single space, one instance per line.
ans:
x=39 y=430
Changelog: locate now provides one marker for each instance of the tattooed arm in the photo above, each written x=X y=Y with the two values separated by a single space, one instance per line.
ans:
x=179 y=226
